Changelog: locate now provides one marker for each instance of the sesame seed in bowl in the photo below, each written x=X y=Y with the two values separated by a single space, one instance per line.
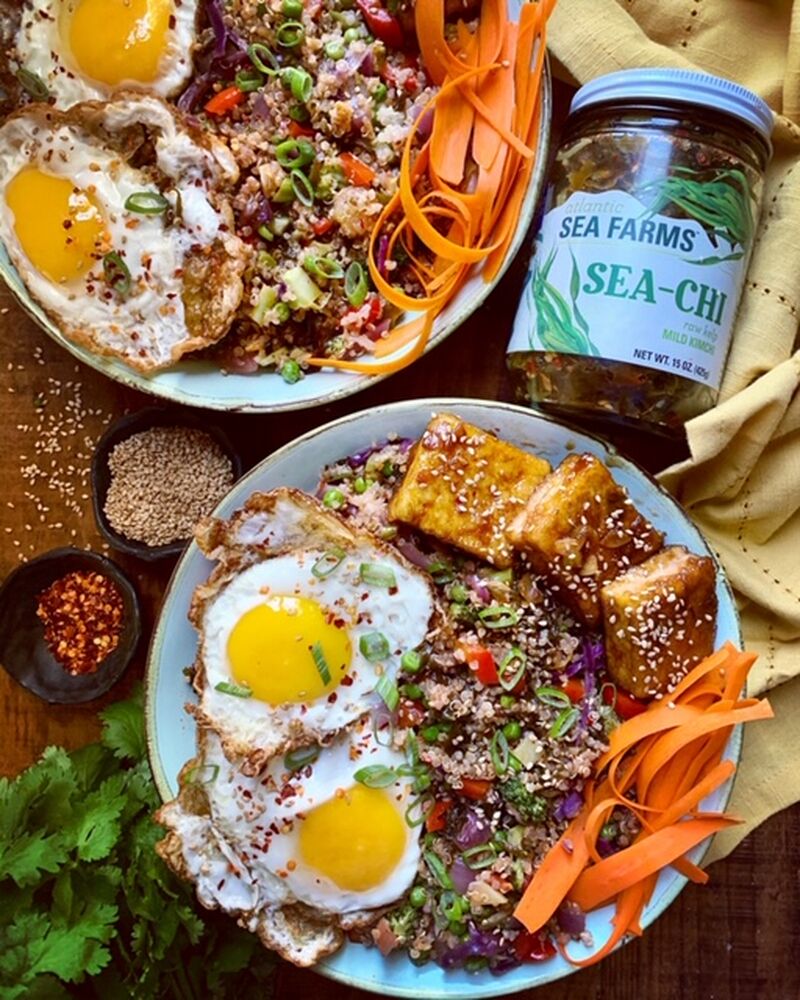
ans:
x=155 y=474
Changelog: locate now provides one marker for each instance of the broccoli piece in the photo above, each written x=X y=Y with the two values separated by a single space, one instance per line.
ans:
x=528 y=804
x=402 y=921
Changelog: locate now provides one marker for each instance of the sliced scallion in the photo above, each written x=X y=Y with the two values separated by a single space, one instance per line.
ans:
x=482 y=856
x=237 y=690
x=374 y=646
x=321 y=663
x=299 y=81
x=499 y=752
x=355 y=284
x=290 y=34
x=33 y=84
x=377 y=575
x=411 y=661
x=512 y=668
x=248 y=80
x=146 y=203
x=553 y=697
x=328 y=563
x=323 y=267
x=296 y=760
x=116 y=273
x=387 y=690
x=263 y=59
x=565 y=721
x=499 y=616
x=294 y=153
x=303 y=188
x=417 y=810
x=376 y=776
x=206 y=774
x=437 y=868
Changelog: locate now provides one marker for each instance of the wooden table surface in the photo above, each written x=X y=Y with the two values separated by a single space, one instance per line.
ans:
x=733 y=940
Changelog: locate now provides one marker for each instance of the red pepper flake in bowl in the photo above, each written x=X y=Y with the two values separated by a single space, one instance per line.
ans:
x=82 y=617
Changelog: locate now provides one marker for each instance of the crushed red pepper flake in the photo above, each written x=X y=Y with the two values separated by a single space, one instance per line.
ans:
x=82 y=617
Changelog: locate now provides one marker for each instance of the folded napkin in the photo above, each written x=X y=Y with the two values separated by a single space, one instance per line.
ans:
x=742 y=483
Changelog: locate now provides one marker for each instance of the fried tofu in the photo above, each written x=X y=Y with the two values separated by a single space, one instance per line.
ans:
x=660 y=620
x=579 y=530
x=464 y=487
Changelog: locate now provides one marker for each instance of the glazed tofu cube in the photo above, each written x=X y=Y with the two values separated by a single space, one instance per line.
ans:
x=660 y=620
x=579 y=530
x=464 y=487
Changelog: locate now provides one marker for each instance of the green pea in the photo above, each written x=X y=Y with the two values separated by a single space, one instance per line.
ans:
x=458 y=593
x=412 y=691
x=380 y=93
x=283 y=312
x=431 y=734
x=333 y=498
x=352 y=35
x=360 y=485
x=291 y=372
x=418 y=897
x=512 y=730
x=507 y=701
x=293 y=8
x=335 y=50
x=411 y=661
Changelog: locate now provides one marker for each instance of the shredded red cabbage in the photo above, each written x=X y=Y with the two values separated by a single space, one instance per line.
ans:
x=220 y=62
x=569 y=806
x=462 y=875
x=474 y=831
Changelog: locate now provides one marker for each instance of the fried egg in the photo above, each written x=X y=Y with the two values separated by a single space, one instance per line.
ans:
x=317 y=836
x=88 y=49
x=295 y=638
x=114 y=217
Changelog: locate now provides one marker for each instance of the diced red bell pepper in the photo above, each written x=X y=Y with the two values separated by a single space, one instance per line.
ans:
x=224 y=101
x=323 y=226
x=475 y=788
x=481 y=662
x=536 y=947
x=381 y=23
x=436 y=818
x=297 y=129
x=625 y=705
x=574 y=689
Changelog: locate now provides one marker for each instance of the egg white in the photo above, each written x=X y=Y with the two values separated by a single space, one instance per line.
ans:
x=153 y=251
x=42 y=50
x=400 y=614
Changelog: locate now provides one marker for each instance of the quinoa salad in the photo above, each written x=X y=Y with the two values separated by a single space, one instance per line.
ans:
x=315 y=100
x=501 y=714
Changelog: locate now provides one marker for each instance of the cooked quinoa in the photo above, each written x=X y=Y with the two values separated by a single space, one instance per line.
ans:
x=500 y=767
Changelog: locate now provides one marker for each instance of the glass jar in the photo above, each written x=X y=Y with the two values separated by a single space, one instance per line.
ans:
x=639 y=264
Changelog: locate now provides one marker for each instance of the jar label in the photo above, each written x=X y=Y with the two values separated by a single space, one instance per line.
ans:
x=612 y=277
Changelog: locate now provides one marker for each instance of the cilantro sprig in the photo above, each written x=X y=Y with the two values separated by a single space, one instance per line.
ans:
x=88 y=907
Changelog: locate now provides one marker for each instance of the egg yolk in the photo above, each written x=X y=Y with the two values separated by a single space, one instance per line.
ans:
x=356 y=839
x=113 y=41
x=60 y=227
x=288 y=650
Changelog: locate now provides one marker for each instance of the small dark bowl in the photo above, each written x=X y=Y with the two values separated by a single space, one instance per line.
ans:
x=23 y=650
x=124 y=428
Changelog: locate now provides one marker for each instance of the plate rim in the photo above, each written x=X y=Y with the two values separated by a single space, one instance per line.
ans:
x=494 y=987
x=117 y=371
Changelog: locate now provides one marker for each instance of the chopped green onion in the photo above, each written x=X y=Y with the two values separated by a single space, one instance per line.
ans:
x=266 y=233
x=248 y=80
x=335 y=50
x=299 y=113
x=146 y=203
x=458 y=593
x=515 y=763
x=303 y=188
x=263 y=59
x=411 y=661
x=116 y=273
x=355 y=284
x=291 y=372
x=565 y=721
x=374 y=646
x=333 y=498
x=378 y=575
x=282 y=312
x=323 y=267
x=326 y=564
x=206 y=774
x=360 y=485
x=453 y=906
x=553 y=697
x=431 y=734
x=441 y=571
x=422 y=805
x=609 y=831
x=387 y=689
x=502 y=575
x=33 y=85
x=438 y=870
x=418 y=897
x=499 y=752
x=290 y=34
x=300 y=83
x=293 y=8
x=285 y=192
x=512 y=730
x=512 y=668
x=321 y=663
x=237 y=690
x=482 y=856
x=412 y=691
x=380 y=93
x=422 y=782
x=376 y=776
x=507 y=701
x=412 y=749
x=294 y=153
x=499 y=616
x=296 y=760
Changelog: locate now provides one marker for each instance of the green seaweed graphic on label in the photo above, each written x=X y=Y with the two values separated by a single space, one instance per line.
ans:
x=559 y=327
x=723 y=207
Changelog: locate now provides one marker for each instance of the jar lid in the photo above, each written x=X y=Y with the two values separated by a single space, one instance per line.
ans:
x=680 y=85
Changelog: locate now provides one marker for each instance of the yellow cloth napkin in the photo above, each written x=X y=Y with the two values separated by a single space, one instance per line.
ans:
x=742 y=482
